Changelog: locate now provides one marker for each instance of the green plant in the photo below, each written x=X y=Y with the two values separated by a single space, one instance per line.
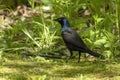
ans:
x=31 y=2
x=45 y=35
x=42 y=35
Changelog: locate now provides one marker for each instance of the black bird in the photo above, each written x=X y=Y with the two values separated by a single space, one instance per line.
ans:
x=73 y=41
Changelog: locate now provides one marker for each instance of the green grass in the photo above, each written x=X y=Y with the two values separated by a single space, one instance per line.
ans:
x=14 y=67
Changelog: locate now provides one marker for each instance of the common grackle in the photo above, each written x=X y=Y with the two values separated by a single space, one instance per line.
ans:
x=73 y=40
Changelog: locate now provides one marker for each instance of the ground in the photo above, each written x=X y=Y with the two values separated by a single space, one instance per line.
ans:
x=15 y=67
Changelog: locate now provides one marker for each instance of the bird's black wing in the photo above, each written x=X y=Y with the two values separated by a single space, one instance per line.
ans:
x=71 y=37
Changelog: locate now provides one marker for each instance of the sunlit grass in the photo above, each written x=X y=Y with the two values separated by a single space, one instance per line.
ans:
x=19 y=69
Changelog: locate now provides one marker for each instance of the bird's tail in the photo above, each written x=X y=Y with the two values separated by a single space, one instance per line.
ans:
x=96 y=54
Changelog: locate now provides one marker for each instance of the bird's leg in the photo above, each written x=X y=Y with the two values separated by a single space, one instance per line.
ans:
x=79 y=56
x=71 y=53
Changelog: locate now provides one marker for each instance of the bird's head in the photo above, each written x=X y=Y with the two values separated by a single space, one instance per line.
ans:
x=63 y=21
